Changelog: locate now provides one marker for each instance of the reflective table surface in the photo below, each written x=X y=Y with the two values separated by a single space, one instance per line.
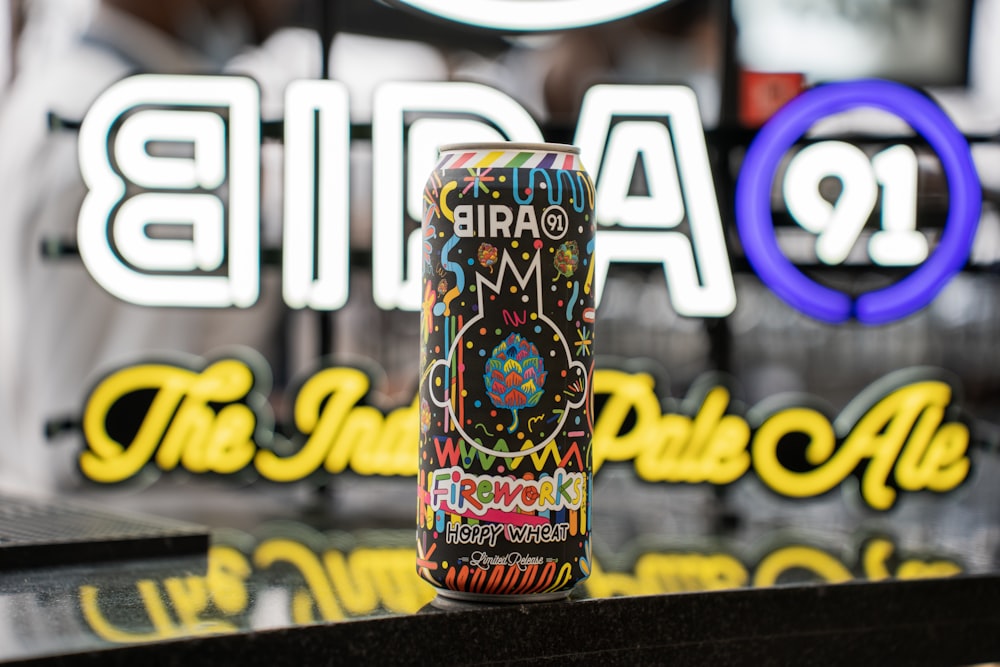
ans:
x=690 y=575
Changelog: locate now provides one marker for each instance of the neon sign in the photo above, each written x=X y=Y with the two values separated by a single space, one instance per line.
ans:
x=837 y=227
x=898 y=436
x=532 y=15
x=316 y=219
x=177 y=191
x=214 y=192
x=215 y=185
x=611 y=136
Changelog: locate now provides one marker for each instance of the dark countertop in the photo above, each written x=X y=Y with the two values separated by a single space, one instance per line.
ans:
x=682 y=577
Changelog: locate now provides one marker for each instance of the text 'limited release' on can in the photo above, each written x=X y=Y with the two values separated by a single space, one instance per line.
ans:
x=506 y=368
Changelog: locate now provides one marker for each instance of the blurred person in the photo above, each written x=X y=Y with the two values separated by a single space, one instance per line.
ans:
x=54 y=25
x=59 y=330
x=7 y=22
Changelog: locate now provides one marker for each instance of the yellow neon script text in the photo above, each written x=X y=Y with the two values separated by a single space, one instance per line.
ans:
x=180 y=426
x=902 y=438
x=901 y=441
x=710 y=447
x=340 y=433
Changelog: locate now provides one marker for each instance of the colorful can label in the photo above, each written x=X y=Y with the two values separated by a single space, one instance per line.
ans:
x=506 y=360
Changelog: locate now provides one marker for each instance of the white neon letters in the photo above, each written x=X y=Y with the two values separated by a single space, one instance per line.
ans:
x=317 y=210
x=191 y=147
x=205 y=131
x=698 y=274
x=838 y=225
x=218 y=153
x=898 y=243
x=396 y=286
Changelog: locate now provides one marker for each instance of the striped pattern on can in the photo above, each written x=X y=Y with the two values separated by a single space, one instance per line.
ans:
x=509 y=159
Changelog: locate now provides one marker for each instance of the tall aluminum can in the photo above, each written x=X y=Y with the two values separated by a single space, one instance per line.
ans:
x=506 y=372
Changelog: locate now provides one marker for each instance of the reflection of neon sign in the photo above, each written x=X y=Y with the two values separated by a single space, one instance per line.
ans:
x=336 y=576
x=333 y=583
x=532 y=15
x=691 y=570
x=753 y=206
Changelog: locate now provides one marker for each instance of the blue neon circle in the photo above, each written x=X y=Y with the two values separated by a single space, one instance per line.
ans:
x=756 y=226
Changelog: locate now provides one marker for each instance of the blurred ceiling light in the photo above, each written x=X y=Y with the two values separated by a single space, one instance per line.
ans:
x=532 y=15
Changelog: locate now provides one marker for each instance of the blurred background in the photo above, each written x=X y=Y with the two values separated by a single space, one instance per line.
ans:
x=742 y=59
x=61 y=332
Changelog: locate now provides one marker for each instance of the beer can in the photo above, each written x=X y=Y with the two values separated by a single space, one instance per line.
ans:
x=506 y=371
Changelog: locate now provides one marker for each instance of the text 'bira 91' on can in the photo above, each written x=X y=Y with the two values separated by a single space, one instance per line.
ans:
x=506 y=372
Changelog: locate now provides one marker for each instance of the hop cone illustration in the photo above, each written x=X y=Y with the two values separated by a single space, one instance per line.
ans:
x=514 y=375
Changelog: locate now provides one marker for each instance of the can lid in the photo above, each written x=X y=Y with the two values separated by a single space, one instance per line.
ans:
x=509 y=146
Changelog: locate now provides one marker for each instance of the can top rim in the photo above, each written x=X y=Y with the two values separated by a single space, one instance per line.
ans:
x=510 y=146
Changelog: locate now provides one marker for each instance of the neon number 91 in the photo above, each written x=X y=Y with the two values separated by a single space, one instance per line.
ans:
x=838 y=225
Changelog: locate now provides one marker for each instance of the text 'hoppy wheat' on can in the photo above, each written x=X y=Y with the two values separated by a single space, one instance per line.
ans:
x=506 y=361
